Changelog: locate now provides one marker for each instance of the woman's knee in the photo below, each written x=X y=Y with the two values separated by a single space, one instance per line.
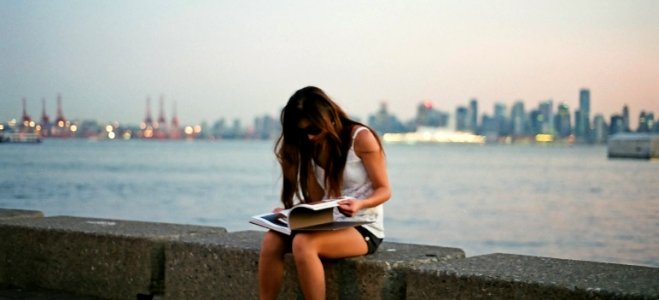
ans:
x=303 y=243
x=273 y=244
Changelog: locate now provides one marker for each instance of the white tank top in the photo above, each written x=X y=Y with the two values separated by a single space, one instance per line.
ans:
x=357 y=185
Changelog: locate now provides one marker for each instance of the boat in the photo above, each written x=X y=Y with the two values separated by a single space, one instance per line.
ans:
x=20 y=137
x=633 y=145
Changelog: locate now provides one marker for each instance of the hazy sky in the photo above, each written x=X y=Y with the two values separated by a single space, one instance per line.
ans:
x=240 y=59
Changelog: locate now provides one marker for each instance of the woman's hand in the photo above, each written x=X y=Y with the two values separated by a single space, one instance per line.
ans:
x=349 y=207
x=277 y=210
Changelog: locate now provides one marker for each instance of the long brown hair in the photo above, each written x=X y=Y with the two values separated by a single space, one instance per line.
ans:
x=294 y=151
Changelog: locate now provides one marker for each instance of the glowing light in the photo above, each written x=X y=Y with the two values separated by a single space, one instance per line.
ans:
x=127 y=135
x=197 y=129
x=60 y=123
x=111 y=135
x=433 y=135
x=73 y=128
x=2 y=127
x=544 y=138
x=188 y=130
x=148 y=133
x=109 y=128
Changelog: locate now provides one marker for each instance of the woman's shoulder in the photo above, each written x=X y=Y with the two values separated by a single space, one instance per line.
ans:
x=364 y=140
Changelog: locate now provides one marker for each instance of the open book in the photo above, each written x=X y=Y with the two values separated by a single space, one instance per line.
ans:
x=317 y=216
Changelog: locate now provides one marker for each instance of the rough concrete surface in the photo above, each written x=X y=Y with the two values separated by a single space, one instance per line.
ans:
x=13 y=214
x=225 y=267
x=508 y=276
x=111 y=259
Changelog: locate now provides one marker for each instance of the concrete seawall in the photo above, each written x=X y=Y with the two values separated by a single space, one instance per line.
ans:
x=120 y=259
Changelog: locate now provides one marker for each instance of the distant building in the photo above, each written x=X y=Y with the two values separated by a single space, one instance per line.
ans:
x=625 y=119
x=562 y=121
x=617 y=124
x=547 y=120
x=384 y=122
x=518 y=120
x=600 y=130
x=501 y=119
x=462 y=119
x=428 y=116
x=582 y=116
x=473 y=115
x=645 y=122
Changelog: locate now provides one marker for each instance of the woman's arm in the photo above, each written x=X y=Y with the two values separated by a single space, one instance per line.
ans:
x=371 y=153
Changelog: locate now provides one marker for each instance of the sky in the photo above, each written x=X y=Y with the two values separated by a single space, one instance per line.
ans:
x=243 y=59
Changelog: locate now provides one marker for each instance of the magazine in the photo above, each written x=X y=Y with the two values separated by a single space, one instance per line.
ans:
x=317 y=216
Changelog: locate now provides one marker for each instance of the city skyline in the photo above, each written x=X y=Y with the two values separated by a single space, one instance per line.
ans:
x=156 y=108
x=240 y=60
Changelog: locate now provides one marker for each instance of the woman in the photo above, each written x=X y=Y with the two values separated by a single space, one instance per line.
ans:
x=324 y=154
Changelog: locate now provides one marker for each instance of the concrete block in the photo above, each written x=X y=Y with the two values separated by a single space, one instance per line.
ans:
x=110 y=259
x=218 y=267
x=225 y=267
x=13 y=214
x=508 y=276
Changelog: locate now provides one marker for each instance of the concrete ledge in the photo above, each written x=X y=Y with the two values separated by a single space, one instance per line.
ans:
x=115 y=259
x=110 y=259
x=507 y=276
x=13 y=214
x=225 y=267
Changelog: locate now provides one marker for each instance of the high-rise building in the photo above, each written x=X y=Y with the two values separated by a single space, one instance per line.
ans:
x=625 y=118
x=462 y=119
x=617 y=124
x=428 y=116
x=645 y=122
x=600 y=132
x=473 y=115
x=501 y=119
x=562 y=121
x=518 y=119
x=547 y=113
x=583 y=119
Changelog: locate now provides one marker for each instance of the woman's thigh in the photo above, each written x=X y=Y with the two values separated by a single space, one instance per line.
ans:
x=331 y=244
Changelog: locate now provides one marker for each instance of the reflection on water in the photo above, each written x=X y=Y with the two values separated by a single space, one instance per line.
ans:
x=559 y=201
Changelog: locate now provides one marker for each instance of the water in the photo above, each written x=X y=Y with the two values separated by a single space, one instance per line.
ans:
x=559 y=201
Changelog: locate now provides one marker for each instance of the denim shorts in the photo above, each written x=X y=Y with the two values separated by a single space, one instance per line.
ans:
x=372 y=242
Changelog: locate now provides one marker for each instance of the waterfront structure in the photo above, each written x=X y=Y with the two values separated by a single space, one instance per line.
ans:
x=175 y=130
x=634 y=145
x=432 y=135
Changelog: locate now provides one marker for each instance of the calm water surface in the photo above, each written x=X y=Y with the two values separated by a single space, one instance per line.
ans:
x=559 y=201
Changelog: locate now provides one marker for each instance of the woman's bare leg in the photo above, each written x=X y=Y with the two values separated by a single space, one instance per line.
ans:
x=310 y=247
x=271 y=264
